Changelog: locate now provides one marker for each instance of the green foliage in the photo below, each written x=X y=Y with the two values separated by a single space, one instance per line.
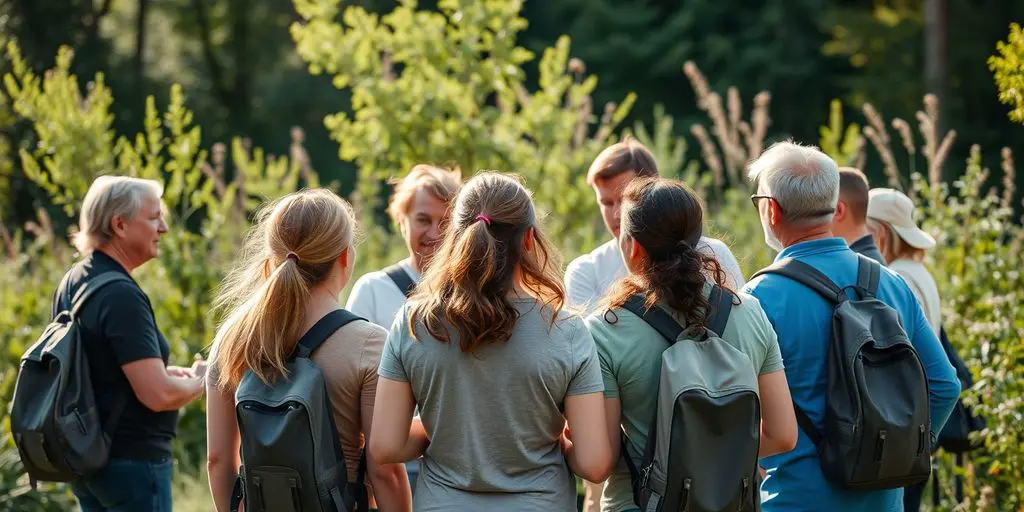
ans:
x=75 y=143
x=1008 y=68
x=668 y=149
x=839 y=142
x=208 y=215
x=977 y=266
x=448 y=88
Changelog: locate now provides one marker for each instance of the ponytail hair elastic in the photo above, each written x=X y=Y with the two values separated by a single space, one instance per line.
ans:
x=485 y=218
x=292 y=256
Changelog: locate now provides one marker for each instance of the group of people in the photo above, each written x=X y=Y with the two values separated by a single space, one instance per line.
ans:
x=482 y=376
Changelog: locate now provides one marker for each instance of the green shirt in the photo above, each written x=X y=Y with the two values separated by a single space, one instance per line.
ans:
x=630 y=354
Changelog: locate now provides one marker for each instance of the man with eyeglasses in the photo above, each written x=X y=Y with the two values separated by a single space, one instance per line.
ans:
x=796 y=198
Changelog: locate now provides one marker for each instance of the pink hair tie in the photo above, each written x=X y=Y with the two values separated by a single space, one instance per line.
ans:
x=485 y=218
x=292 y=256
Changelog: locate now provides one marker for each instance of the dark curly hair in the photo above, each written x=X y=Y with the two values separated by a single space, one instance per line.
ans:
x=666 y=218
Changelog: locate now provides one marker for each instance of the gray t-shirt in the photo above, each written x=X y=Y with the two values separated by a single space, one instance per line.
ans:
x=494 y=416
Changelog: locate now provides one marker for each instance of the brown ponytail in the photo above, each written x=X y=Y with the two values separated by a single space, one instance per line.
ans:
x=479 y=263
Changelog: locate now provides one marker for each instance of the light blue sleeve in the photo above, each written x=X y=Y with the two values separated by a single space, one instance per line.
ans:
x=943 y=385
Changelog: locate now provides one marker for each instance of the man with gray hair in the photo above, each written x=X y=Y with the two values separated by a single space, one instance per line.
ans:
x=796 y=197
x=120 y=227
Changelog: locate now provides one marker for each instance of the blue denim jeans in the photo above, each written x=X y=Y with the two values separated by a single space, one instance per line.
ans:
x=126 y=485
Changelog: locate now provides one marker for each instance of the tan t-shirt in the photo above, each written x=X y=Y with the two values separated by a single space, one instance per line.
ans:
x=348 y=361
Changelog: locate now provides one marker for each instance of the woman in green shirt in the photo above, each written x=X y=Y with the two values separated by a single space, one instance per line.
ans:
x=661 y=223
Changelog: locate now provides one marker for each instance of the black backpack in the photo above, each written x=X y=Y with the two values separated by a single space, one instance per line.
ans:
x=877 y=429
x=401 y=279
x=954 y=437
x=701 y=451
x=291 y=457
x=54 y=419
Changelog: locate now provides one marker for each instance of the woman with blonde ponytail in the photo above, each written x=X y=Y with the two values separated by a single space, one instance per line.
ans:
x=298 y=258
x=495 y=366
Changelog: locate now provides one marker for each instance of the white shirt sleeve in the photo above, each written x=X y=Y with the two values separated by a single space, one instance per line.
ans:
x=733 y=275
x=580 y=283
x=361 y=301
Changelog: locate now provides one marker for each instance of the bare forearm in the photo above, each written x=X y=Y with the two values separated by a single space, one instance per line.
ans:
x=222 y=480
x=180 y=391
x=414 y=446
x=773 y=445
x=391 y=488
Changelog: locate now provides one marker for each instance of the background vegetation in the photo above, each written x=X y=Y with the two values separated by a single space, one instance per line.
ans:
x=231 y=103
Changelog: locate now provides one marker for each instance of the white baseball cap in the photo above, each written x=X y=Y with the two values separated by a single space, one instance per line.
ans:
x=897 y=210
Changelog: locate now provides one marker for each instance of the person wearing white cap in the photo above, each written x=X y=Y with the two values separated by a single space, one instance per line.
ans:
x=903 y=245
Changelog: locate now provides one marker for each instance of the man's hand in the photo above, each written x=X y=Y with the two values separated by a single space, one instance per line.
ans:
x=178 y=371
x=199 y=368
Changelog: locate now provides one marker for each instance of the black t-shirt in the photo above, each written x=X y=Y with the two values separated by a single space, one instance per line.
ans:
x=118 y=327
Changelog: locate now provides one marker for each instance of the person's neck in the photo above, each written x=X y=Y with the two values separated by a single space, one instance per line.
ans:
x=805 y=235
x=118 y=254
x=856 y=234
x=850 y=233
x=417 y=263
x=322 y=300
x=518 y=290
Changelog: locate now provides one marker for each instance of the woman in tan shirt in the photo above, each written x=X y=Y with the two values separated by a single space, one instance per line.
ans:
x=300 y=257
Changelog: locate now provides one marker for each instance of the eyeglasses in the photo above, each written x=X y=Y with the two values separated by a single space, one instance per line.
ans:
x=756 y=197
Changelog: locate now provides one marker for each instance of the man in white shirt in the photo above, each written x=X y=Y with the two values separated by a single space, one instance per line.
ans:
x=589 y=276
x=419 y=206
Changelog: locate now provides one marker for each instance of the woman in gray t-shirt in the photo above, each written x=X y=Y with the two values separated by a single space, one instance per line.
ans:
x=495 y=366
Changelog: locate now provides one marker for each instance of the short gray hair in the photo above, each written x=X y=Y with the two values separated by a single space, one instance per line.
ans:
x=109 y=197
x=803 y=180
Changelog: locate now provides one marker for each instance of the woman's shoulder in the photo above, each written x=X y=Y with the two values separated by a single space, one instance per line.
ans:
x=358 y=334
x=746 y=312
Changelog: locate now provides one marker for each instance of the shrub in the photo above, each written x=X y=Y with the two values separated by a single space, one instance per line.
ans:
x=208 y=214
x=448 y=88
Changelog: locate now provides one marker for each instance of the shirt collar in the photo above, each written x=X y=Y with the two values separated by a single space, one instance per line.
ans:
x=812 y=247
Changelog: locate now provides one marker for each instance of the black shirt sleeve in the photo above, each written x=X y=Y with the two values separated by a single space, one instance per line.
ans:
x=124 y=319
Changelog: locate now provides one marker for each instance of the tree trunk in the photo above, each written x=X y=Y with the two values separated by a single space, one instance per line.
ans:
x=935 y=36
x=242 y=91
x=140 y=49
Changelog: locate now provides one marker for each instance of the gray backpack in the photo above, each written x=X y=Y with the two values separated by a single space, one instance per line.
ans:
x=877 y=429
x=54 y=419
x=701 y=452
x=291 y=458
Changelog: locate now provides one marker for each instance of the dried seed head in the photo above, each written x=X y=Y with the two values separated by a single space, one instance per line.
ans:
x=576 y=65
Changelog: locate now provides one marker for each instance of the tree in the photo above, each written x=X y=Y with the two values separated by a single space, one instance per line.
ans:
x=641 y=45
x=1008 y=68
x=448 y=88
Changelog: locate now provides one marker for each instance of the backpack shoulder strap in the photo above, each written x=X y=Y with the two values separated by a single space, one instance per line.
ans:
x=721 y=300
x=656 y=317
x=322 y=330
x=807 y=276
x=869 y=272
x=401 y=278
x=91 y=286
x=805 y=423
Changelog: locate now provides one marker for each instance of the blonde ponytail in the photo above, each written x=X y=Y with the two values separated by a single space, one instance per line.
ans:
x=291 y=248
